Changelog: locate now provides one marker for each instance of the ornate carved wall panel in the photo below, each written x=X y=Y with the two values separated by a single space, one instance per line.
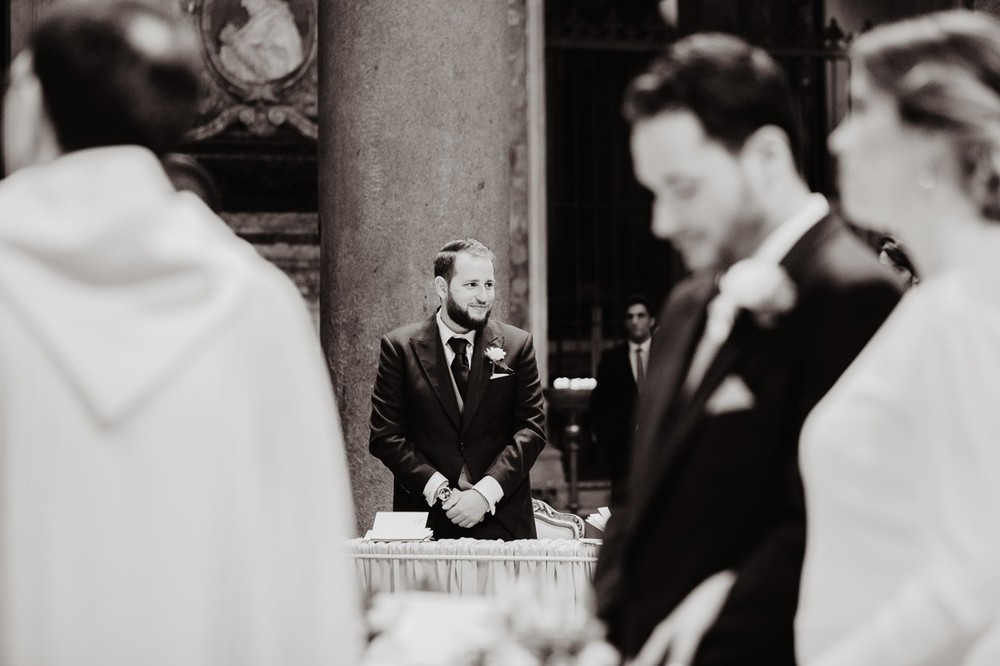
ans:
x=257 y=125
x=272 y=86
x=260 y=58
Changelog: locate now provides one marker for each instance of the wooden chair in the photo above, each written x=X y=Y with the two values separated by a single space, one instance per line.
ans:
x=552 y=524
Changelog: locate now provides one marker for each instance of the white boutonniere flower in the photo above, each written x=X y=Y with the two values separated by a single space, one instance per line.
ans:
x=496 y=355
x=760 y=287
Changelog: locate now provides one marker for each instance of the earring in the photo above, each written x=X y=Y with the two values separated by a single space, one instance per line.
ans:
x=926 y=178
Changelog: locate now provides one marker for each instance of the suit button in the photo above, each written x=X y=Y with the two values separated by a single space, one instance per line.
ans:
x=461 y=445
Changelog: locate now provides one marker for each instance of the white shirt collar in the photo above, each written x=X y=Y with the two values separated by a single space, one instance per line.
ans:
x=644 y=346
x=447 y=334
x=780 y=241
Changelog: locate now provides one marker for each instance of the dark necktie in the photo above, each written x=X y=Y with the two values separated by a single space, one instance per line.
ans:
x=640 y=369
x=460 y=366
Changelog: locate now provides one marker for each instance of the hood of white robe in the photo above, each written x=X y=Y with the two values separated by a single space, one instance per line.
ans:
x=119 y=277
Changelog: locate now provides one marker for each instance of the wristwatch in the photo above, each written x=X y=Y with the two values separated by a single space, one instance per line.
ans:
x=443 y=494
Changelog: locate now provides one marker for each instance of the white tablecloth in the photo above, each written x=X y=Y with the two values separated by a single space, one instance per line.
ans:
x=469 y=566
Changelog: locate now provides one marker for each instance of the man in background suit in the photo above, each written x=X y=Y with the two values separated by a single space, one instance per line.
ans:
x=620 y=374
x=703 y=558
x=457 y=408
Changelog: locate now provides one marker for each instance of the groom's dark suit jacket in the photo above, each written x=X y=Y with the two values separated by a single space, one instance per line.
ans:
x=417 y=428
x=710 y=492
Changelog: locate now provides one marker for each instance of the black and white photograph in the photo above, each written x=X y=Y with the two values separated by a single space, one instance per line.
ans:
x=500 y=333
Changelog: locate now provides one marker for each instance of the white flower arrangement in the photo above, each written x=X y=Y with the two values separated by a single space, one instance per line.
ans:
x=519 y=628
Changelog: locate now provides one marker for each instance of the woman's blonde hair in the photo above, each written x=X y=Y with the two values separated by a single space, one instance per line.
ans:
x=943 y=71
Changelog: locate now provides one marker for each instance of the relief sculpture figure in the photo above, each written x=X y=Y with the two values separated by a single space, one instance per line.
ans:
x=267 y=47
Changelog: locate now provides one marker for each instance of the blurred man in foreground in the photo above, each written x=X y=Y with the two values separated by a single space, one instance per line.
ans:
x=703 y=559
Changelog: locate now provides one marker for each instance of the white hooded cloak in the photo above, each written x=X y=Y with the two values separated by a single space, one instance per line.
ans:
x=172 y=478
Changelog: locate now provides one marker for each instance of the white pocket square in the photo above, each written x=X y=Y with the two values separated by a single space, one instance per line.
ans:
x=500 y=375
x=732 y=395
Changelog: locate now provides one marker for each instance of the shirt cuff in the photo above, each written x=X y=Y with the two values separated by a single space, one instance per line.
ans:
x=430 y=490
x=491 y=491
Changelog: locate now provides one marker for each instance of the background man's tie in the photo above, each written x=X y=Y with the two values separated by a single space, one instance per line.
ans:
x=460 y=366
x=640 y=369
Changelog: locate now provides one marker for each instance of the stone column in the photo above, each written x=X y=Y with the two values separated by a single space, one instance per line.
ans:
x=22 y=15
x=413 y=152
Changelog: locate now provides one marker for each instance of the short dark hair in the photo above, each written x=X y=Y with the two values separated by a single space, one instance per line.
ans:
x=637 y=299
x=733 y=89
x=444 y=262
x=105 y=82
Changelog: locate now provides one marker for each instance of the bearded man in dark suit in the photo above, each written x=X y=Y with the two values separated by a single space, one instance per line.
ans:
x=457 y=408
x=701 y=562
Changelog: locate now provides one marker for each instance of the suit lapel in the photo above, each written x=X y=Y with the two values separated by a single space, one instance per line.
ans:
x=744 y=332
x=478 y=377
x=625 y=365
x=430 y=354
x=663 y=441
x=798 y=261
x=670 y=357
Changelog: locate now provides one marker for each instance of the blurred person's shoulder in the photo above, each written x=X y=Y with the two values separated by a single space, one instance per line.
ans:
x=844 y=259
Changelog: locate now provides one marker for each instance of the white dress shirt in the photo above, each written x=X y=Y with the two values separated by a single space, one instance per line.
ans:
x=644 y=346
x=774 y=249
x=781 y=241
x=449 y=353
x=487 y=486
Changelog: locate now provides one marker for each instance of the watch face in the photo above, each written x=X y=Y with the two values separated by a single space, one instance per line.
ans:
x=444 y=494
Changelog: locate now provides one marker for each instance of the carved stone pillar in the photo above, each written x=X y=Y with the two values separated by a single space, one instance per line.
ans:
x=415 y=127
x=23 y=16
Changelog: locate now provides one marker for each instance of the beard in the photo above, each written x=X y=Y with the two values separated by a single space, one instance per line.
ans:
x=746 y=232
x=741 y=243
x=463 y=317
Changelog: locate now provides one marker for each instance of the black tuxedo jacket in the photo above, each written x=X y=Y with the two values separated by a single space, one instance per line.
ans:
x=417 y=428
x=710 y=492
x=611 y=406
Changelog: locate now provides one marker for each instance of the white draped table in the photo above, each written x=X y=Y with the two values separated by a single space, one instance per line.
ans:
x=470 y=566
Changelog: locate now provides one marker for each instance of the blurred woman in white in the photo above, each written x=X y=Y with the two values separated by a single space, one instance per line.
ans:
x=901 y=460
